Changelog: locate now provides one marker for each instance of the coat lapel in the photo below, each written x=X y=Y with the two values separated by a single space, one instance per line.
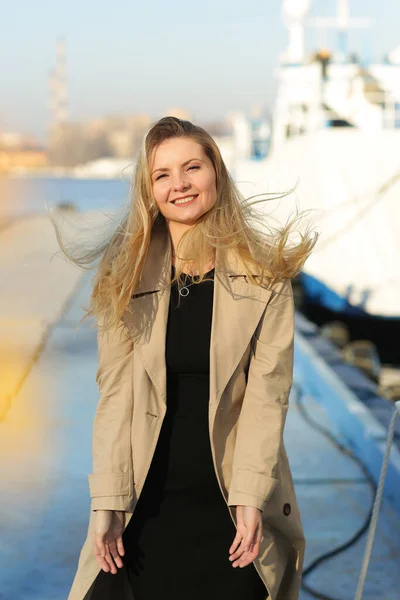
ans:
x=237 y=309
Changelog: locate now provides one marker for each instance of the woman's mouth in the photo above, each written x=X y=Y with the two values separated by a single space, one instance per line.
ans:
x=185 y=201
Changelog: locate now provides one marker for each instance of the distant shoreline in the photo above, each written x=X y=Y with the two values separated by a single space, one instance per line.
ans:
x=63 y=175
x=104 y=168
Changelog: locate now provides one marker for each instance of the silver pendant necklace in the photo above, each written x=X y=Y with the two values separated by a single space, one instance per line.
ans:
x=184 y=291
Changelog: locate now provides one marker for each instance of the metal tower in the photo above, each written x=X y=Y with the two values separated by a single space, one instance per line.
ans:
x=58 y=87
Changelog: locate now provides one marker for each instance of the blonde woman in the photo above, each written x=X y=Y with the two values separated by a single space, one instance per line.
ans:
x=191 y=491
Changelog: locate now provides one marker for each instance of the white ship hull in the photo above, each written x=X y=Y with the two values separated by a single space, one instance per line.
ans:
x=351 y=180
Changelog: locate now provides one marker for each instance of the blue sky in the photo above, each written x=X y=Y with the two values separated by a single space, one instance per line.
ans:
x=127 y=56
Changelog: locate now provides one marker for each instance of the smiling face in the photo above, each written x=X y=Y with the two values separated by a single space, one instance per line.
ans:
x=180 y=168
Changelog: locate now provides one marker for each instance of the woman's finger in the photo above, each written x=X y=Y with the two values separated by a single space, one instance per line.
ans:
x=250 y=555
x=237 y=554
x=240 y=561
x=109 y=559
x=236 y=542
x=115 y=554
x=99 y=553
x=250 y=536
x=245 y=559
x=254 y=549
x=120 y=546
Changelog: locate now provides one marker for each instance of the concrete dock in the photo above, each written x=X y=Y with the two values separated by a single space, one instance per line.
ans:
x=34 y=290
x=45 y=446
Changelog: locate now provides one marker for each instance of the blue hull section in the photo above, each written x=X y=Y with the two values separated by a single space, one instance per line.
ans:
x=318 y=293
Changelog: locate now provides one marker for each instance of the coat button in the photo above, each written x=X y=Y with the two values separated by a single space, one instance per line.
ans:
x=286 y=509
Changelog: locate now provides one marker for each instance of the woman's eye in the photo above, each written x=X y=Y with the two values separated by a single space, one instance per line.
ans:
x=192 y=167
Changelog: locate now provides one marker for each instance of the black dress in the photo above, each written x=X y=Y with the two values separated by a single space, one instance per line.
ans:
x=177 y=541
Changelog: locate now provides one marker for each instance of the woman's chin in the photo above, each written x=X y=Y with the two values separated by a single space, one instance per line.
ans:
x=186 y=218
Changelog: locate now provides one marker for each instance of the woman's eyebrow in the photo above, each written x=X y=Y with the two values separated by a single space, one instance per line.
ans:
x=183 y=165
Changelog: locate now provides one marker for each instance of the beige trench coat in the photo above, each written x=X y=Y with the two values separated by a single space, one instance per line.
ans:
x=251 y=366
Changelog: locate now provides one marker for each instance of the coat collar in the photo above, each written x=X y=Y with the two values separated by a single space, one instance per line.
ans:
x=157 y=268
x=235 y=302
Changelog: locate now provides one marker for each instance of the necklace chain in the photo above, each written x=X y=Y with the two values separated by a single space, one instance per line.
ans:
x=184 y=291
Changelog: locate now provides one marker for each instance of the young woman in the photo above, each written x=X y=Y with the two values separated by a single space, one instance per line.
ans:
x=192 y=496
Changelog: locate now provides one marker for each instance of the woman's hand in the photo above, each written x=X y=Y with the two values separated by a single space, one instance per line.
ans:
x=246 y=545
x=107 y=539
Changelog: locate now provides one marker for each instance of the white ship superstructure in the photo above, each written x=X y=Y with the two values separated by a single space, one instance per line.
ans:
x=336 y=130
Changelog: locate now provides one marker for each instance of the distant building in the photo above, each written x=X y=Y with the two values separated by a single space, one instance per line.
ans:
x=18 y=151
x=118 y=137
x=77 y=143
x=13 y=160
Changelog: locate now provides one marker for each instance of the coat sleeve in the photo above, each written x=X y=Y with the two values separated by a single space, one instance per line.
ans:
x=265 y=403
x=111 y=483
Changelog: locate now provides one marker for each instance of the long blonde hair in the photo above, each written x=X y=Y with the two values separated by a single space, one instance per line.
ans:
x=231 y=223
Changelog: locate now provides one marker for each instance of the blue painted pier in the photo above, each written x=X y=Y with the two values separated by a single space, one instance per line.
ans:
x=45 y=456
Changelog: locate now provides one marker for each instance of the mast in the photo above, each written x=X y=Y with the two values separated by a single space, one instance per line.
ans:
x=294 y=13
x=341 y=23
x=343 y=18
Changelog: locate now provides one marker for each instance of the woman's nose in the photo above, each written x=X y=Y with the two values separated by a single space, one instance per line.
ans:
x=178 y=187
x=179 y=182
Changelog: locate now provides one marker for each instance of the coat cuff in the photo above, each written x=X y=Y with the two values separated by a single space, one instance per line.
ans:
x=110 y=484
x=250 y=489
x=125 y=503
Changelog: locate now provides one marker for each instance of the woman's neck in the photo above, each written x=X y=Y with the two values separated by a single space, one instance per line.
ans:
x=176 y=230
x=187 y=267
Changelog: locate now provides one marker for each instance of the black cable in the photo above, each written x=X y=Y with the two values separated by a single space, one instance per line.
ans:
x=360 y=532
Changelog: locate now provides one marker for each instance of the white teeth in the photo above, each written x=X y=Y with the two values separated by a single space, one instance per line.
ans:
x=184 y=200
